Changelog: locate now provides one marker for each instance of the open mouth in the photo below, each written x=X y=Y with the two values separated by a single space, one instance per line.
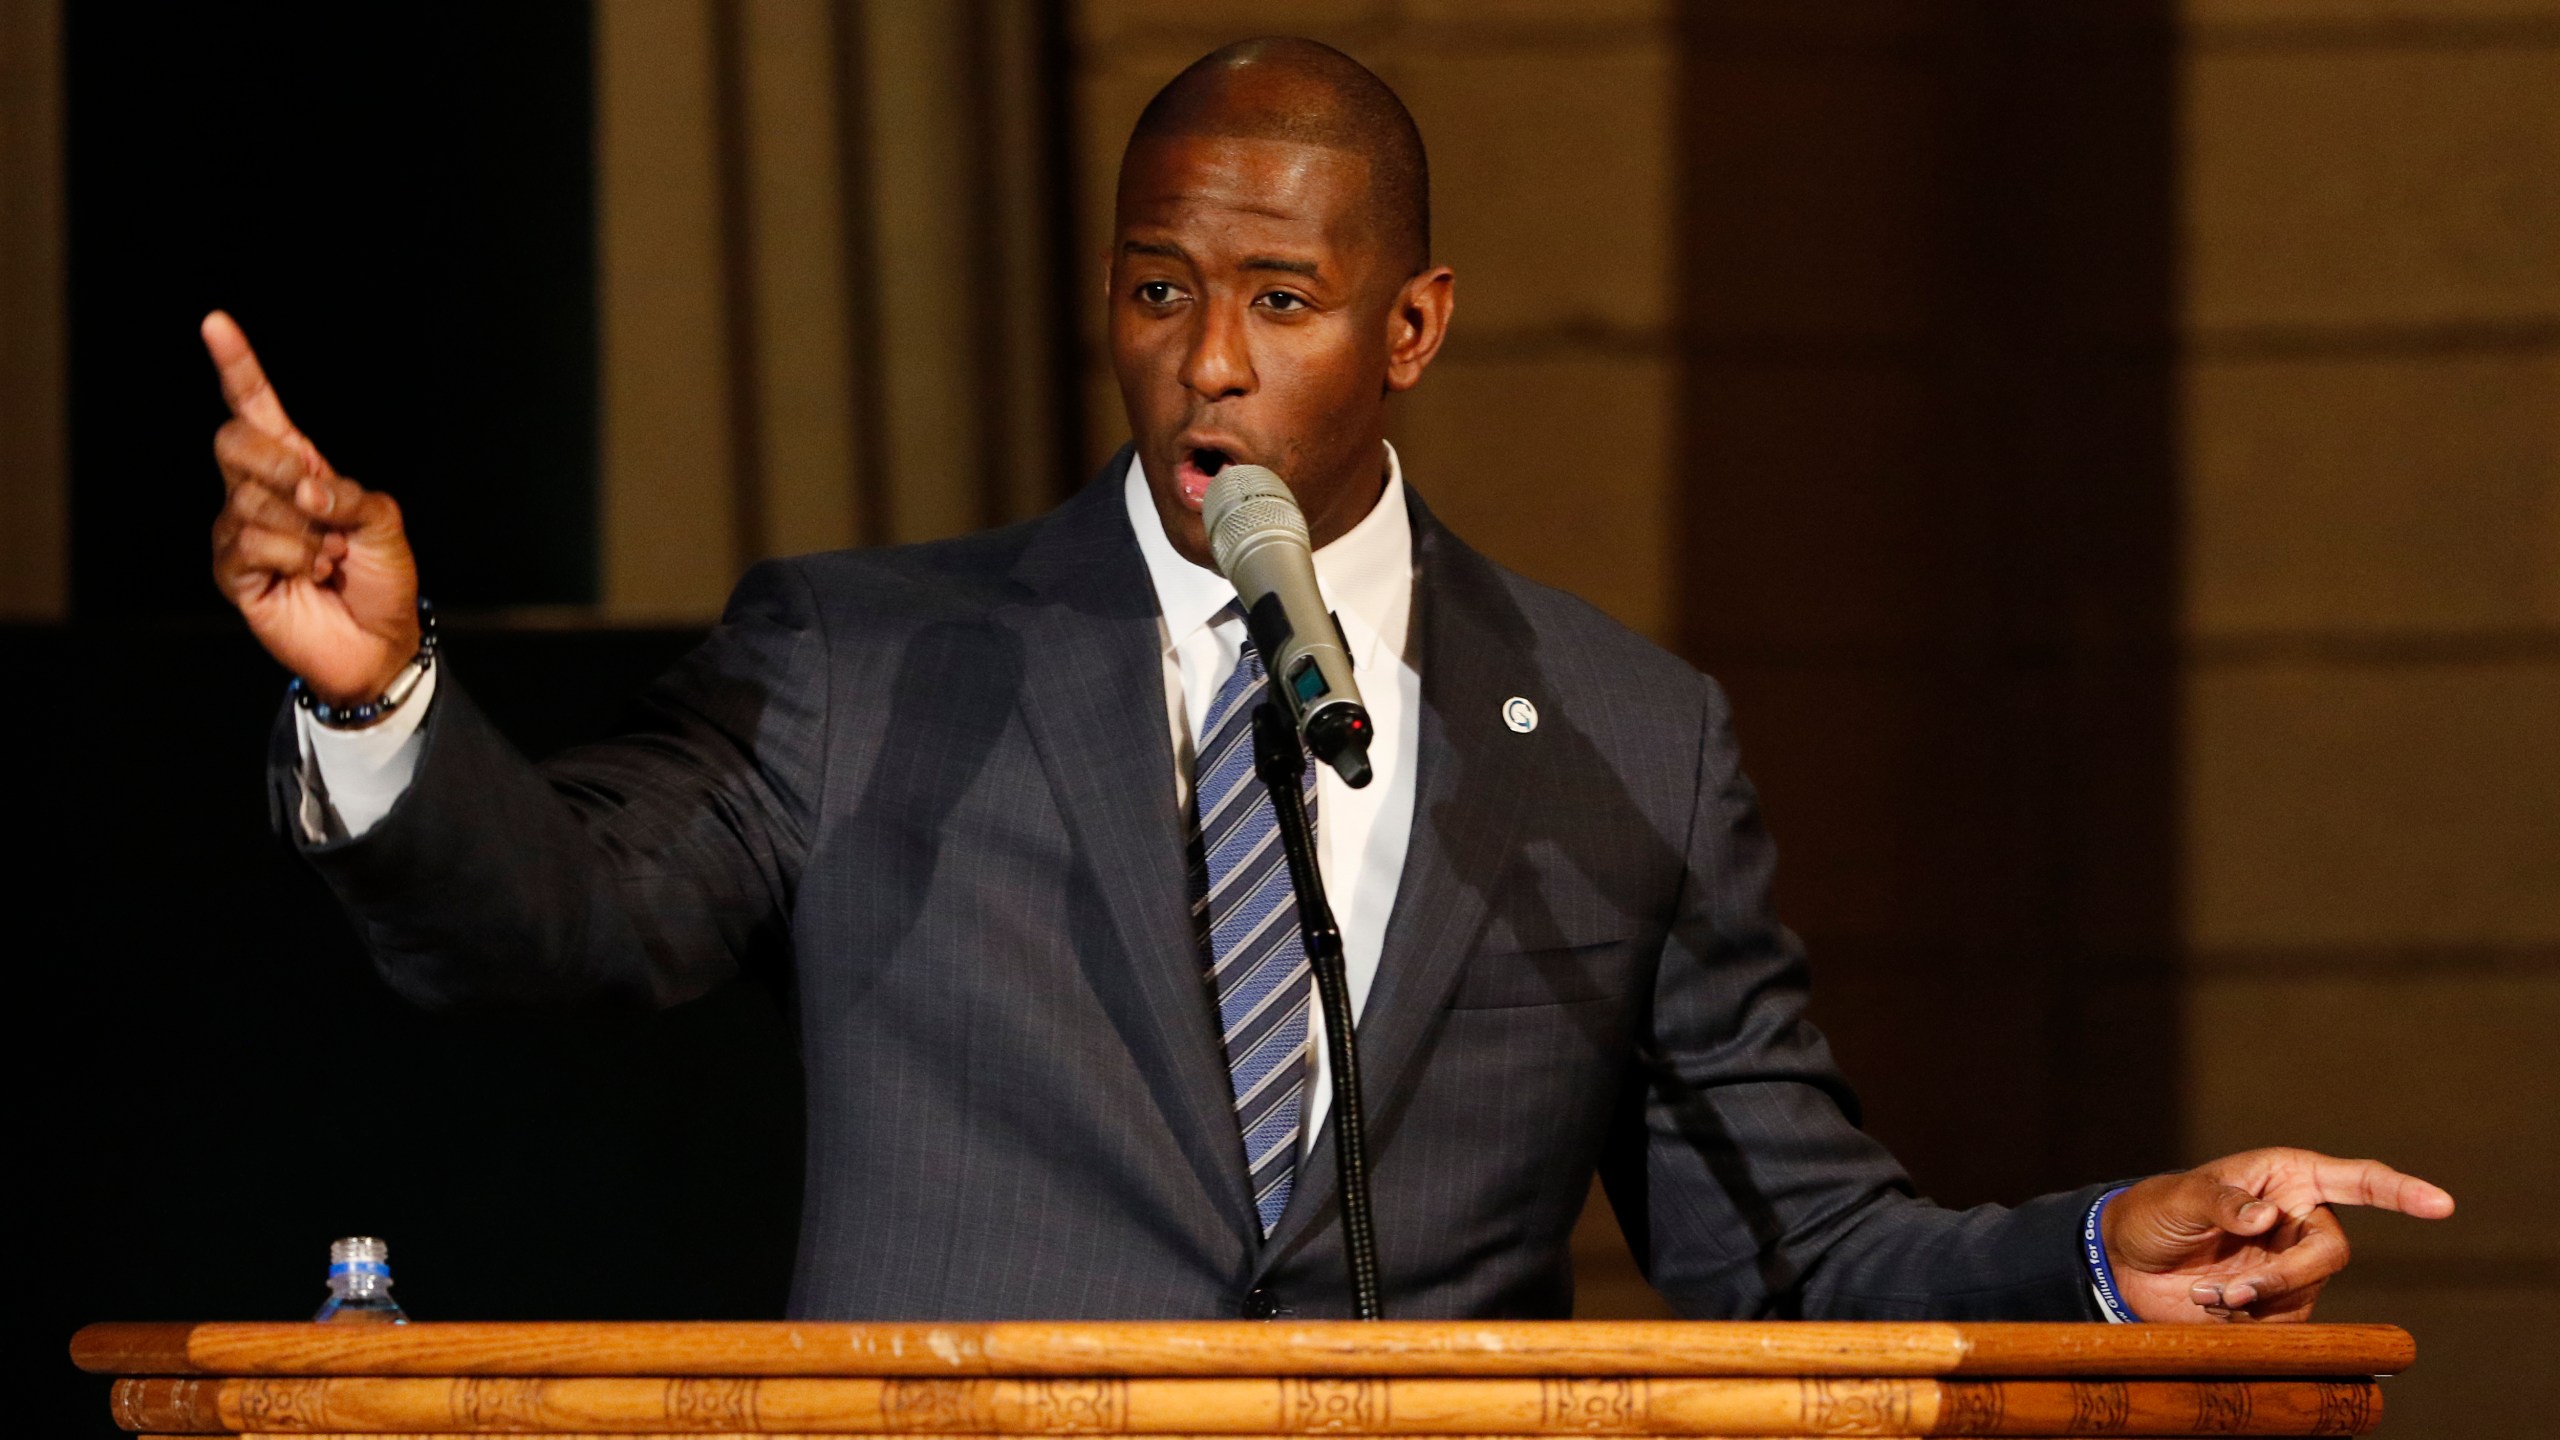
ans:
x=1198 y=467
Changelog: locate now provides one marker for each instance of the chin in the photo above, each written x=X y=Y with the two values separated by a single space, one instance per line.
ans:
x=1191 y=540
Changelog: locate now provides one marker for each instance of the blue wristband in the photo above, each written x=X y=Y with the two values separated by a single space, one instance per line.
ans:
x=2093 y=1248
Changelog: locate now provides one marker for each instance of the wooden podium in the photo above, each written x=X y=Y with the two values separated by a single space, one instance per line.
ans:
x=1240 y=1378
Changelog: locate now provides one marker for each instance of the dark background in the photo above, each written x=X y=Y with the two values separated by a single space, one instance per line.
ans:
x=212 y=1083
x=405 y=189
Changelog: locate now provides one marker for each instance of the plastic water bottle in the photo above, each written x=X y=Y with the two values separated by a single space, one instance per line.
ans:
x=360 y=1284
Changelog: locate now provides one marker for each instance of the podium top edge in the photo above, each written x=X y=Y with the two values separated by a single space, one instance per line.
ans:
x=1238 y=1347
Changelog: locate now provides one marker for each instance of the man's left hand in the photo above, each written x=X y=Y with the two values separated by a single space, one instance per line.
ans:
x=2249 y=1236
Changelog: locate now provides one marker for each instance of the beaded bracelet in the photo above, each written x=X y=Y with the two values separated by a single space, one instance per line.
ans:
x=354 y=717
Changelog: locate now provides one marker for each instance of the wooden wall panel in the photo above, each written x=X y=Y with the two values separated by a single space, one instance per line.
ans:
x=35 y=542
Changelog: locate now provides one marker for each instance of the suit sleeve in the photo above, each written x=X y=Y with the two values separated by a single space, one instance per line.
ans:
x=1738 y=1170
x=646 y=870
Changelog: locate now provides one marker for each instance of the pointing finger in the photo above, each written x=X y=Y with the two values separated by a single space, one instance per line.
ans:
x=244 y=380
x=2370 y=1182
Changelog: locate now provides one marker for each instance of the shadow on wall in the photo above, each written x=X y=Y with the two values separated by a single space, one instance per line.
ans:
x=1927 y=296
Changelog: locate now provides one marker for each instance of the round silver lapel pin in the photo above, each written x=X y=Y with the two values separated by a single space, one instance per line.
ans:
x=1519 y=714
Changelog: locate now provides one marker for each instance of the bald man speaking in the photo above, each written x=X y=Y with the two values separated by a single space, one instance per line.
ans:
x=992 y=800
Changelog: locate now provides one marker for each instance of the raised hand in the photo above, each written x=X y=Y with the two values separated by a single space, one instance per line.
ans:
x=2250 y=1236
x=318 y=564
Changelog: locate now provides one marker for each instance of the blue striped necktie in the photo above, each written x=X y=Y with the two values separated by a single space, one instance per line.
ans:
x=1246 y=911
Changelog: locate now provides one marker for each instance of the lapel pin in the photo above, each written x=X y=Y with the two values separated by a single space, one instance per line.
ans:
x=1519 y=714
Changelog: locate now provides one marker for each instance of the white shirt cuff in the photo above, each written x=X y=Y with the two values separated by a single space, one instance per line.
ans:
x=352 y=778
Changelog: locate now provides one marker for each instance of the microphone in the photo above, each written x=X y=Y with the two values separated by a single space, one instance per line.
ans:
x=1259 y=537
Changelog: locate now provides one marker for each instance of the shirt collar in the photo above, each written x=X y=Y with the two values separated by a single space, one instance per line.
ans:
x=1366 y=575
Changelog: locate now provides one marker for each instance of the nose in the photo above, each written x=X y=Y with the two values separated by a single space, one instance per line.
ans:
x=1219 y=364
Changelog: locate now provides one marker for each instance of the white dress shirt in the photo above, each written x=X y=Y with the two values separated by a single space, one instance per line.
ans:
x=1367 y=580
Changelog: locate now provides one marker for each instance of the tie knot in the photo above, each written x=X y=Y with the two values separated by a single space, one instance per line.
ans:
x=1248 y=654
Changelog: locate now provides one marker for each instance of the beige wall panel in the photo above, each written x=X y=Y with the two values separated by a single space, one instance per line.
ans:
x=666 y=468
x=1551 y=184
x=2431 y=1071
x=35 y=479
x=2401 y=494
x=2484 y=1352
x=924 y=230
x=2367 y=186
x=804 y=368
x=2383 y=805
x=1545 y=19
x=2244 y=16
x=1215 y=22
x=1557 y=468
x=1761 y=24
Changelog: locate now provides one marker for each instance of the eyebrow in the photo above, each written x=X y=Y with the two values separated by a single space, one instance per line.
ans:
x=1307 y=268
x=1273 y=262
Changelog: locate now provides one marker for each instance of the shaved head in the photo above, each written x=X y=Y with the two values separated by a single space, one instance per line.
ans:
x=1301 y=92
x=1270 y=282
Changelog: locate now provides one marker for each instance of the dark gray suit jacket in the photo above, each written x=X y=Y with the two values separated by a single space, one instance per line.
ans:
x=938 y=780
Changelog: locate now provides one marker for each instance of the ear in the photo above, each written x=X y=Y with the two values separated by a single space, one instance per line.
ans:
x=1417 y=324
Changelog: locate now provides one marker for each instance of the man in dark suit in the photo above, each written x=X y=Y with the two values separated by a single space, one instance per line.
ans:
x=986 y=795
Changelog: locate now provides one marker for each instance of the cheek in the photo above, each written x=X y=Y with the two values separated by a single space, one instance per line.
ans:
x=1142 y=356
x=1330 y=398
x=1321 y=368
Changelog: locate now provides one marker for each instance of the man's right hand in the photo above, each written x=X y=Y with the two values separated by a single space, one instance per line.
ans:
x=317 y=563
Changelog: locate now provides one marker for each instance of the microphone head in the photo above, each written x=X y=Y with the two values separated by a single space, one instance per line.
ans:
x=1246 y=502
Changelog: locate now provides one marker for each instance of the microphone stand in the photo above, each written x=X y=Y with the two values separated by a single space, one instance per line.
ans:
x=1279 y=761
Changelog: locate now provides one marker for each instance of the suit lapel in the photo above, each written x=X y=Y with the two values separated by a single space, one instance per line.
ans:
x=1094 y=703
x=1476 y=653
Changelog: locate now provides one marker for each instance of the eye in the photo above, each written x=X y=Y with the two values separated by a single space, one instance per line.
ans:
x=1158 y=292
x=1283 y=302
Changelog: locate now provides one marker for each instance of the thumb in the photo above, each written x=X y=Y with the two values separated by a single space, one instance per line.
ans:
x=381 y=573
x=368 y=543
x=2170 y=1220
x=366 y=517
x=2241 y=1212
